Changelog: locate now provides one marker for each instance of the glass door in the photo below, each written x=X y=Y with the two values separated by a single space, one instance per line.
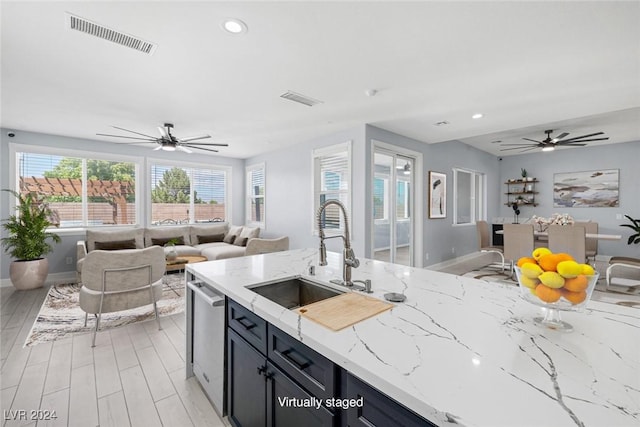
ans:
x=393 y=207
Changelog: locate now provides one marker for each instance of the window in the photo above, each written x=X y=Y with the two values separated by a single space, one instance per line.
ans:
x=403 y=203
x=80 y=191
x=331 y=181
x=184 y=195
x=380 y=198
x=469 y=196
x=255 y=195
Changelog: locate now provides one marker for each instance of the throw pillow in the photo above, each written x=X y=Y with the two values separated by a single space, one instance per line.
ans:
x=161 y=241
x=240 y=241
x=211 y=238
x=229 y=238
x=116 y=245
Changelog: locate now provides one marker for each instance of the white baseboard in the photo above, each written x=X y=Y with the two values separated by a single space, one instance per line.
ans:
x=52 y=279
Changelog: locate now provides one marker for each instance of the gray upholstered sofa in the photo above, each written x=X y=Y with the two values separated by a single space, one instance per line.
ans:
x=213 y=241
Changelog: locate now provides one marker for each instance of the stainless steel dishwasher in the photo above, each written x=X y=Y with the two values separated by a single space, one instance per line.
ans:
x=208 y=340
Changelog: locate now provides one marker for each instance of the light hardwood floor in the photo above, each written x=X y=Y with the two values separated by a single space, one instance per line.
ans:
x=135 y=376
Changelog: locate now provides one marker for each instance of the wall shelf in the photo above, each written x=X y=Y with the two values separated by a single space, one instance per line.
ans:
x=521 y=192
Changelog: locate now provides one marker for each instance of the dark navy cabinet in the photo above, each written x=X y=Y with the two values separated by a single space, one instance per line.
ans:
x=274 y=380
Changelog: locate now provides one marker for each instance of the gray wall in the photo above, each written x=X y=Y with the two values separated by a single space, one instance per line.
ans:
x=541 y=165
x=289 y=191
x=67 y=247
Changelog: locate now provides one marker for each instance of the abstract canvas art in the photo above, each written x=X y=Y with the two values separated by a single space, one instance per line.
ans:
x=437 y=195
x=587 y=189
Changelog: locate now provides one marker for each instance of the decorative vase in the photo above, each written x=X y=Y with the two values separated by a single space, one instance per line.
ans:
x=170 y=253
x=29 y=274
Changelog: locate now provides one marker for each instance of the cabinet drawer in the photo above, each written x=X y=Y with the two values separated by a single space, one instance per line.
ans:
x=311 y=370
x=248 y=325
x=378 y=409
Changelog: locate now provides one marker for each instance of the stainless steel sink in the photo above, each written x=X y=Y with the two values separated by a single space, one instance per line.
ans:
x=295 y=292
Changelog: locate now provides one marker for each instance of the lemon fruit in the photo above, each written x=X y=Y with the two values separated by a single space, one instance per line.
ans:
x=539 y=252
x=531 y=270
x=587 y=270
x=551 y=279
x=569 y=269
x=529 y=283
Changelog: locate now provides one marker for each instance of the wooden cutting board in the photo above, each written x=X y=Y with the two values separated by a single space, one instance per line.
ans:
x=344 y=310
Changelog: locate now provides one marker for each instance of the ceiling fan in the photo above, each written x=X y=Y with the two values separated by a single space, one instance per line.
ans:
x=169 y=142
x=550 y=144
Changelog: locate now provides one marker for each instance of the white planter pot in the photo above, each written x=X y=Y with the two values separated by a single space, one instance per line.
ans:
x=29 y=274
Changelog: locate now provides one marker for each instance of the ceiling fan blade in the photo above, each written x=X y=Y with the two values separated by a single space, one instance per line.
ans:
x=163 y=132
x=159 y=147
x=524 y=145
x=185 y=149
x=205 y=149
x=583 y=136
x=210 y=144
x=127 y=137
x=581 y=140
x=573 y=145
x=532 y=140
x=518 y=148
x=194 y=138
x=529 y=149
x=559 y=137
x=137 y=133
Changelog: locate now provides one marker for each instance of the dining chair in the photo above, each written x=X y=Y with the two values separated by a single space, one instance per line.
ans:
x=623 y=271
x=482 y=229
x=591 y=246
x=518 y=242
x=569 y=239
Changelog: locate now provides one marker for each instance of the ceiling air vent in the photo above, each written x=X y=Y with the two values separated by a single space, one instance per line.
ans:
x=302 y=99
x=80 y=24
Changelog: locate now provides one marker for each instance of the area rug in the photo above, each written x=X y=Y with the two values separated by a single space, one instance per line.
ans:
x=61 y=315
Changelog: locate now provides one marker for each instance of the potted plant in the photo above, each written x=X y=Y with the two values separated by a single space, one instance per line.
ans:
x=170 y=250
x=523 y=172
x=27 y=241
x=635 y=226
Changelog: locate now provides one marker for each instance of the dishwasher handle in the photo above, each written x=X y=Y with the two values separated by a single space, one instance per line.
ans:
x=215 y=300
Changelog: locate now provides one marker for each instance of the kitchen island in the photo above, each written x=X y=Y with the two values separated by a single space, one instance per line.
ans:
x=460 y=351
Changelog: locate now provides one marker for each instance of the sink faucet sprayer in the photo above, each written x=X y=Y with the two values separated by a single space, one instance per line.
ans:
x=349 y=259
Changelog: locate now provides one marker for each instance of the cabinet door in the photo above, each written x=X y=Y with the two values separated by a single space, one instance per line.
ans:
x=247 y=393
x=378 y=409
x=286 y=402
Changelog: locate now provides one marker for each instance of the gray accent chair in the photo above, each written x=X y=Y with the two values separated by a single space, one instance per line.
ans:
x=570 y=239
x=623 y=271
x=121 y=280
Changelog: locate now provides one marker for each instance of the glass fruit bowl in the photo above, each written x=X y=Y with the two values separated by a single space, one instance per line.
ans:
x=559 y=294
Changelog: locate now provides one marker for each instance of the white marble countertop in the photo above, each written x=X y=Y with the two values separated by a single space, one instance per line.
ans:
x=461 y=351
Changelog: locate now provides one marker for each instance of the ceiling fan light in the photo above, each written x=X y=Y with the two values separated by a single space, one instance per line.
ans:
x=168 y=148
x=548 y=148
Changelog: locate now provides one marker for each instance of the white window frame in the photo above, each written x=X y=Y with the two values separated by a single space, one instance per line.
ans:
x=477 y=205
x=407 y=207
x=317 y=154
x=14 y=179
x=250 y=196
x=170 y=163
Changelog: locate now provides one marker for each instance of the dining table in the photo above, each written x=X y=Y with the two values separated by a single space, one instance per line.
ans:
x=599 y=236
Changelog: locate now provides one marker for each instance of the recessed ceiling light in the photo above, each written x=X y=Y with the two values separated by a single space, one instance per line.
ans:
x=234 y=26
x=477 y=116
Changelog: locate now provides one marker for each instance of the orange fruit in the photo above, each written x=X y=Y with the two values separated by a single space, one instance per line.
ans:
x=576 y=284
x=525 y=259
x=547 y=294
x=574 y=297
x=564 y=257
x=549 y=262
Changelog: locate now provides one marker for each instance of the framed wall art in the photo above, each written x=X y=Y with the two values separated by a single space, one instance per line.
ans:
x=587 y=189
x=437 y=195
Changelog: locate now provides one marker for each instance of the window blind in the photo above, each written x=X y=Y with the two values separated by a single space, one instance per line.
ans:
x=256 y=194
x=332 y=182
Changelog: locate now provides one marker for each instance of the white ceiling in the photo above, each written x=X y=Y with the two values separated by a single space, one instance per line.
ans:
x=527 y=66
